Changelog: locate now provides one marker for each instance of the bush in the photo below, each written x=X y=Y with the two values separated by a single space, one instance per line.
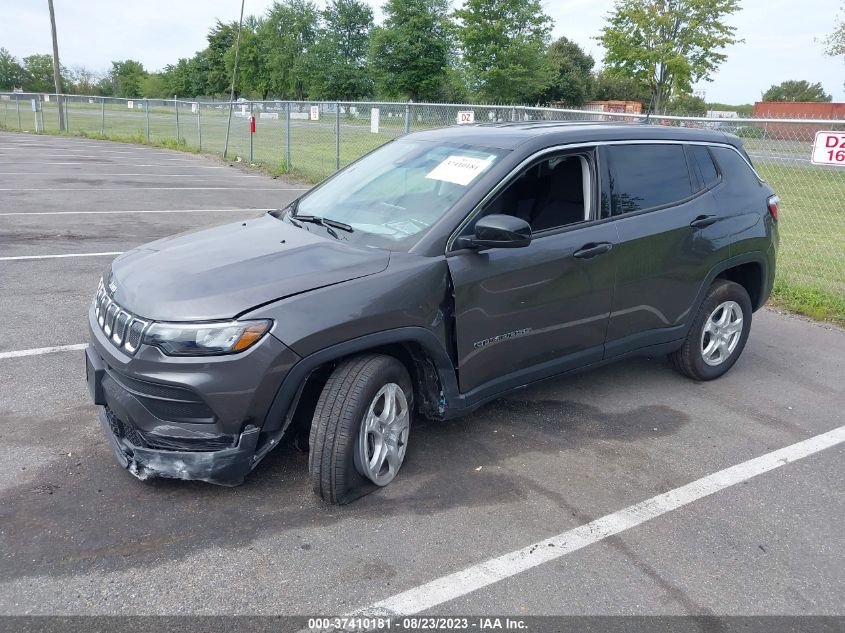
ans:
x=748 y=131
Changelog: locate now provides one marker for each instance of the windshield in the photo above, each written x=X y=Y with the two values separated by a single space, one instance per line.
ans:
x=389 y=197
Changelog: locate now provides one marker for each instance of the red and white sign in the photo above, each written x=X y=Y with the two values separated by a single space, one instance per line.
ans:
x=315 y=113
x=466 y=117
x=829 y=148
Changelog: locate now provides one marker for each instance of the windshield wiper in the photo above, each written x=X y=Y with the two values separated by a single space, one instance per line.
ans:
x=326 y=222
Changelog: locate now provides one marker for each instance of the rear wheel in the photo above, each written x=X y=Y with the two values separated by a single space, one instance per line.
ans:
x=718 y=333
x=359 y=433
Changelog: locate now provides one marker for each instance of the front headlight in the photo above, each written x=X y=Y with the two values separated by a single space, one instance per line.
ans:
x=206 y=339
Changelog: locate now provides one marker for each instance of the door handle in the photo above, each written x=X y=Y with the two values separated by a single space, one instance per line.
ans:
x=591 y=250
x=704 y=220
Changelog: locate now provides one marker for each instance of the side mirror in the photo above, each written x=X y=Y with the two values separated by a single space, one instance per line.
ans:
x=499 y=231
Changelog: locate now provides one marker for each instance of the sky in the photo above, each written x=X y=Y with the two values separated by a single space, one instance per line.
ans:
x=780 y=36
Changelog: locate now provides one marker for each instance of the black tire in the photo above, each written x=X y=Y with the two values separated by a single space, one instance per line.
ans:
x=689 y=359
x=342 y=405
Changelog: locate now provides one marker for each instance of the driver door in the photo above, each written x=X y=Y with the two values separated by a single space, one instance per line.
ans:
x=527 y=313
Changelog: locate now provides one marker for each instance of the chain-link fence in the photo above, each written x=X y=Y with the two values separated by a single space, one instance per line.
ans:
x=314 y=139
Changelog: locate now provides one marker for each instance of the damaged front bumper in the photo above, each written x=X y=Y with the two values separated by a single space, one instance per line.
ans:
x=226 y=467
x=203 y=418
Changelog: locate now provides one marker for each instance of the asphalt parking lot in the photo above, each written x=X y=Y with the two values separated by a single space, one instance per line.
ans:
x=78 y=535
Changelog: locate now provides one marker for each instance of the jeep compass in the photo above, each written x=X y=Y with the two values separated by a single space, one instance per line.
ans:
x=436 y=273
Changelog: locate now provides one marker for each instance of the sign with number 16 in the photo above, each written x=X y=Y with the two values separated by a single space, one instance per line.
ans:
x=829 y=148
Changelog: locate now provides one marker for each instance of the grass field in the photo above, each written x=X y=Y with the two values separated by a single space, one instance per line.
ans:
x=811 y=259
x=811 y=267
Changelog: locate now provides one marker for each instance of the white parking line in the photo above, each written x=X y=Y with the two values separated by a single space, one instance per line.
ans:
x=43 y=350
x=22 y=257
x=133 y=212
x=496 y=569
x=104 y=162
x=147 y=189
x=101 y=175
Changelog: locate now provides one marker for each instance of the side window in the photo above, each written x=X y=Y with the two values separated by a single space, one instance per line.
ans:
x=701 y=163
x=736 y=170
x=549 y=194
x=647 y=176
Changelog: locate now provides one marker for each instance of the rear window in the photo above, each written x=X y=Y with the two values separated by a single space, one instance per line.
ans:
x=647 y=176
x=701 y=164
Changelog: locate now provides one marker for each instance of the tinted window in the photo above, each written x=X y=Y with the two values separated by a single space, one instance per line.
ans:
x=647 y=176
x=549 y=194
x=736 y=170
x=702 y=165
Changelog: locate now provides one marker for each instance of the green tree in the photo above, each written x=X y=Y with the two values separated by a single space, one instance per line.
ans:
x=688 y=105
x=220 y=38
x=127 y=76
x=503 y=43
x=608 y=86
x=11 y=72
x=410 y=52
x=572 y=79
x=253 y=74
x=337 y=61
x=797 y=91
x=667 y=44
x=155 y=86
x=38 y=73
x=104 y=87
x=188 y=77
x=288 y=32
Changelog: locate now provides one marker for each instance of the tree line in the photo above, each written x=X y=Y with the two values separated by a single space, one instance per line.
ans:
x=492 y=51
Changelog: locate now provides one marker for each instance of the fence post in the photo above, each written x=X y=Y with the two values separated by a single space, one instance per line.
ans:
x=407 y=118
x=251 y=114
x=102 y=116
x=199 y=126
x=67 y=114
x=287 y=136
x=176 y=106
x=337 y=136
x=147 y=115
x=18 y=101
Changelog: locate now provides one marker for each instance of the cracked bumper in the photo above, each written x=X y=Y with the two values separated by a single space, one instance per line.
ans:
x=226 y=467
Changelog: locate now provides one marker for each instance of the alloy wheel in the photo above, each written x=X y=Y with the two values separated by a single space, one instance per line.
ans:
x=383 y=437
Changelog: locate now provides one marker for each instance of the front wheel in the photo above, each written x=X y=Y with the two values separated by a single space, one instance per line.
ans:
x=360 y=430
x=718 y=333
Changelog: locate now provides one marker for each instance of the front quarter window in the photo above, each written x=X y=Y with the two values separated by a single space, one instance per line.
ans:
x=393 y=195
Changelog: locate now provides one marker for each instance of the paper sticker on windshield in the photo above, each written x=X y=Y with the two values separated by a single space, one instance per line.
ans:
x=460 y=170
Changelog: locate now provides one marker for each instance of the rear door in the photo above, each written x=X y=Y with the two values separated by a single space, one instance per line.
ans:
x=671 y=235
x=525 y=313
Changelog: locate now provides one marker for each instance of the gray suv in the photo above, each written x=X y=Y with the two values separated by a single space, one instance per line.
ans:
x=435 y=274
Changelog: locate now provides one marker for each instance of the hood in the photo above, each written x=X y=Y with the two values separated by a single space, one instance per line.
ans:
x=221 y=272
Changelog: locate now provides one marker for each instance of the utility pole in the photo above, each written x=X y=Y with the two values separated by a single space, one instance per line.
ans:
x=234 y=75
x=57 y=69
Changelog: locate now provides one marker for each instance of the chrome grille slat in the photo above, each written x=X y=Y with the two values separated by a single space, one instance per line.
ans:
x=111 y=315
x=120 y=326
x=120 y=323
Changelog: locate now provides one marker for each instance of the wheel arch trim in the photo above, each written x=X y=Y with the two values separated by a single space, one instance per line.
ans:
x=750 y=257
x=291 y=387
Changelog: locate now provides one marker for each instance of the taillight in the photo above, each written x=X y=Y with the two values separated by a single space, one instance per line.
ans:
x=773 y=203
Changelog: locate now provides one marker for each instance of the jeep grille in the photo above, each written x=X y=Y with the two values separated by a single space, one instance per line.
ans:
x=121 y=327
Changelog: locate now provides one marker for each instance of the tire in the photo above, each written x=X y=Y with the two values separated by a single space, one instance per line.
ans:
x=357 y=391
x=709 y=355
